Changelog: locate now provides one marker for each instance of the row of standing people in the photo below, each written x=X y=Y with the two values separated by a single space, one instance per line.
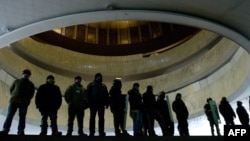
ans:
x=48 y=100
x=96 y=97
x=225 y=109
x=144 y=109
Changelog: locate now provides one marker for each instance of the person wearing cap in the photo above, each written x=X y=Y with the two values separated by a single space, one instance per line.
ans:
x=98 y=100
x=75 y=97
x=22 y=91
x=181 y=112
x=48 y=101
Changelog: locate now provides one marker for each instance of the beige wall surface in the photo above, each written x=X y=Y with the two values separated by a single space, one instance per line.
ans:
x=223 y=82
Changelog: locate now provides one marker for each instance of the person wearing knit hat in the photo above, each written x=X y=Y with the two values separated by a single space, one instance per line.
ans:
x=98 y=100
x=22 y=91
x=182 y=113
x=48 y=101
x=75 y=96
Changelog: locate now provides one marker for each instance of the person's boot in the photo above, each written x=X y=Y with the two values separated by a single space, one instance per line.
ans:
x=69 y=134
x=20 y=133
x=102 y=134
x=43 y=131
x=118 y=133
x=43 y=134
x=125 y=133
x=56 y=133
x=81 y=133
x=4 y=132
x=92 y=134
x=44 y=128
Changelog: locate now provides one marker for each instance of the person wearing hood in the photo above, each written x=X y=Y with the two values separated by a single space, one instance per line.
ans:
x=182 y=114
x=75 y=96
x=117 y=107
x=227 y=111
x=98 y=100
x=48 y=100
x=242 y=114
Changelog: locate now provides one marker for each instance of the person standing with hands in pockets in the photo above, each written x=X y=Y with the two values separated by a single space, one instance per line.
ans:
x=48 y=101
x=22 y=91
x=98 y=100
x=75 y=96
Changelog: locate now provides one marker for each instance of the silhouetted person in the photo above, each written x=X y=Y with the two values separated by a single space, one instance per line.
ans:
x=48 y=101
x=182 y=114
x=75 y=96
x=98 y=100
x=152 y=113
x=135 y=101
x=242 y=114
x=22 y=91
x=164 y=109
x=227 y=111
x=117 y=107
x=212 y=114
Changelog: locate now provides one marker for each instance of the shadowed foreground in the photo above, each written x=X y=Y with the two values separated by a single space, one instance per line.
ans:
x=108 y=138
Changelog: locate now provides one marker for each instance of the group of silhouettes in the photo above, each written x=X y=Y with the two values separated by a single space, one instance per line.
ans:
x=48 y=100
x=144 y=110
x=225 y=109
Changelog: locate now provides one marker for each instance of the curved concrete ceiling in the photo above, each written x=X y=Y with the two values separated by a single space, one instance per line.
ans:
x=19 y=19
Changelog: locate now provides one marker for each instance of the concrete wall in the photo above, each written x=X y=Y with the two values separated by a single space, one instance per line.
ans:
x=223 y=82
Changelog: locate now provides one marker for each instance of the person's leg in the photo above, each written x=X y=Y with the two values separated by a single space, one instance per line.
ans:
x=80 y=116
x=161 y=122
x=185 y=128
x=22 y=119
x=44 y=123
x=71 y=117
x=211 y=127
x=101 y=111
x=11 y=112
x=135 y=118
x=93 y=111
x=140 y=122
x=171 y=127
x=54 y=127
x=116 y=122
x=150 y=115
x=217 y=129
x=180 y=129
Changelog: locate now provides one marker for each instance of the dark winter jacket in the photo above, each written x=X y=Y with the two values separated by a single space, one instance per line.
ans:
x=76 y=96
x=149 y=100
x=117 y=100
x=243 y=115
x=180 y=109
x=48 y=98
x=135 y=100
x=97 y=94
x=22 y=91
x=226 y=110
x=163 y=108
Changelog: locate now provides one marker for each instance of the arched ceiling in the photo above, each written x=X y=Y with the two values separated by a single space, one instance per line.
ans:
x=19 y=19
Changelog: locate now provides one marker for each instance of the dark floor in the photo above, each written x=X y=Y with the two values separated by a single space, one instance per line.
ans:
x=108 y=138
